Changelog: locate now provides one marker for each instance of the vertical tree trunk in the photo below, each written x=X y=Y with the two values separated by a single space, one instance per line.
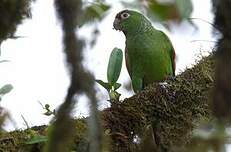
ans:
x=222 y=92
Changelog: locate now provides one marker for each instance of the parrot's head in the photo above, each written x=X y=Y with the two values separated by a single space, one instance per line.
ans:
x=130 y=21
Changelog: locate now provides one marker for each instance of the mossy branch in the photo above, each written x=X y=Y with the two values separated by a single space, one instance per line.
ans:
x=172 y=111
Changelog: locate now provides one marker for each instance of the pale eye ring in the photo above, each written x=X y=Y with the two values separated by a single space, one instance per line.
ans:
x=125 y=15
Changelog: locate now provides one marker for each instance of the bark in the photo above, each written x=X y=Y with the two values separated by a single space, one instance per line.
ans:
x=222 y=92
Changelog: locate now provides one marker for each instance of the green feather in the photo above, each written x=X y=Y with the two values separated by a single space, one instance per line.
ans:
x=149 y=52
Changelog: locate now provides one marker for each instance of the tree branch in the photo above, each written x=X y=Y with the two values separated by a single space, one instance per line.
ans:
x=173 y=112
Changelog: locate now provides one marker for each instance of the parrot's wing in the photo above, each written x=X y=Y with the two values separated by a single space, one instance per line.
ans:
x=127 y=62
x=171 y=52
x=137 y=81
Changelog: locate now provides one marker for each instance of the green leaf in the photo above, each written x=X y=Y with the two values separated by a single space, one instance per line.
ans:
x=132 y=4
x=173 y=10
x=107 y=86
x=48 y=113
x=114 y=96
x=114 y=65
x=2 y=61
x=93 y=12
x=116 y=86
x=6 y=89
x=162 y=11
x=185 y=8
x=47 y=106
x=37 y=139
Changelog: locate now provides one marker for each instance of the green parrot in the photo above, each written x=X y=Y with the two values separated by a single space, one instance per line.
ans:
x=150 y=56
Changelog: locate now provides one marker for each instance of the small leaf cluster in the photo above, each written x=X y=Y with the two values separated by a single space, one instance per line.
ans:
x=113 y=73
x=5 y=89
x=47 y=109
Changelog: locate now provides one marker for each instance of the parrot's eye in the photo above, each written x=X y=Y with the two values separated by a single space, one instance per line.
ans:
x=125 y=15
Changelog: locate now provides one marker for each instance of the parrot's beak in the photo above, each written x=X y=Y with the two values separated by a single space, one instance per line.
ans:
x=116 y=24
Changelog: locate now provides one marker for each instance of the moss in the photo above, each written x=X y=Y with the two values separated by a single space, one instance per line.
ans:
x=173 y=111
x=15 y=141
x=12 y=12
x=81 y=136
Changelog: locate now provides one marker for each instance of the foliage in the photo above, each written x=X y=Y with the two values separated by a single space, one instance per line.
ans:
x=172 y=112
x=114 y=66
x=169 y=114
x=5 y=89
x=184 y=8
x=12 y=12
x=34 y=139
x=160 y=10
x=113 y=73
x=164 y=116
x=92 y=12
x=81 y=81
x=47 y=109
x=16 y=140
x=2 y=61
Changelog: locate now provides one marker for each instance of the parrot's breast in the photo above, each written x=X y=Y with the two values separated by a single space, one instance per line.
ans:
x=148 y=58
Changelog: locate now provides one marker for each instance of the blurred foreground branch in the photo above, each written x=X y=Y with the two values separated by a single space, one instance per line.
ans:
x=63 y=128
x=222 y=93
x=12 y=13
